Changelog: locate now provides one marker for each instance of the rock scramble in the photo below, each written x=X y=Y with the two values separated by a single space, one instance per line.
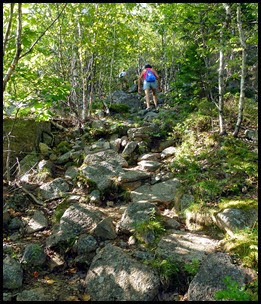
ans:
x=103 y=220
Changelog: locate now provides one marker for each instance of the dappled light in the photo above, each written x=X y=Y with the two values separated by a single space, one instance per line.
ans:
x=130 y=152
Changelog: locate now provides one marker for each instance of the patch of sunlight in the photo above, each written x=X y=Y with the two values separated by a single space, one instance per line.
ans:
x=238 y=203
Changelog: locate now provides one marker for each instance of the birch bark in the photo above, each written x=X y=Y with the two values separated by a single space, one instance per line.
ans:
x=243 y=72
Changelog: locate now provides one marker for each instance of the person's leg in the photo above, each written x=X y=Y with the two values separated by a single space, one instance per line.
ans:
x=155 y=100
x=147 y=96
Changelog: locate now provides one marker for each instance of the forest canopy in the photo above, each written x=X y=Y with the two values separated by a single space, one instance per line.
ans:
x=69 y=55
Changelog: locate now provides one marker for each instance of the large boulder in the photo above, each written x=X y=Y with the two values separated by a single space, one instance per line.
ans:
x=77 y=219
x=12 y=273
x=26 y=135
x=64 y=158
x=135 y=213
x=85 y=244
x=131 y=100
x=98 y=146
x=131 y=175
x=129 y=148
x=232 y=219
x=185 y=246
x=33 y=255
x=54 y=189
x=109 y=155
x=211 y=275
x=115 y=276
x=168 y=152
x=37 y=222
x=150 y=156
x=101 y=174
x=105 y=229
x=149 y=165
x=28 y=162
x=141 y=133
x=164 y=192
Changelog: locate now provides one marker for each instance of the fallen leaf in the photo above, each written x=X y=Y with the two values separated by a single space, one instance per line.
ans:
x=71 y=270
x=11 y=211
x=48 y=281
x=86 y=297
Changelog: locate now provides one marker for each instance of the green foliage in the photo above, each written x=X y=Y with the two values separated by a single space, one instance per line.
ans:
x=63 y=147
x=192 y=268
x=165 y=267
x=233 y=291
x=59 y=211
x=244 y=245
x=83 y=181
x=153 y=224
x=215 y=168
x=239 y=203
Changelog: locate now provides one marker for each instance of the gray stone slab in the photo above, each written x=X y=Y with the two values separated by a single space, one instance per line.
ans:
x=115 y=276
x=184 y=246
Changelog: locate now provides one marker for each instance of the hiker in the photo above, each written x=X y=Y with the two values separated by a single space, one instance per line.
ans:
x=123 y=79
x=151 y=80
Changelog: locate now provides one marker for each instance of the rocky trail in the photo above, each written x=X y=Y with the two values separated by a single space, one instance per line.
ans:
x=101 y=220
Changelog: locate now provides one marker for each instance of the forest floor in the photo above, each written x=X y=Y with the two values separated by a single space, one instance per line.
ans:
x=66 y=282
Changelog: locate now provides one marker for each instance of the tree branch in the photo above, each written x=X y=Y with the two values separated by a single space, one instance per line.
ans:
x=18 y=47
x=30 y=194
x=43 y=33
x=8 y=27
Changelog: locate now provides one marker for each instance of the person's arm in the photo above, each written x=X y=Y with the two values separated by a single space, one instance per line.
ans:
x=139 y=82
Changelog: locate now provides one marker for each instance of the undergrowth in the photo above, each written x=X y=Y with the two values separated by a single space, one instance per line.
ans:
x=220 y=172
x=234 y=292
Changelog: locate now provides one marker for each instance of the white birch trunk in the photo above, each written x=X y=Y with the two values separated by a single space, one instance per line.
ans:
x=222 y=127
x=243 y=72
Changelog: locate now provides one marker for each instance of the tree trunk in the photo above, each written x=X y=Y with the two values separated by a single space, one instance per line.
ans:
x=83 y=77
x=93 y=72
x=8 y=27
x=221 y=93
x=112 y=62
x=222 y=127
x=73 y=97
x=18 y=51
x=60 y=55
x=243 y=72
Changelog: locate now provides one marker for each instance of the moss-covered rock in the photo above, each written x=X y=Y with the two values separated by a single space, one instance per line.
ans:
x=63 y=147
x=33 y=255
x=28 y=162
x=12 y=273
x=26 y=135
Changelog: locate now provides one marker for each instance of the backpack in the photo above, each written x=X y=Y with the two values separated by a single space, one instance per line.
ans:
x=150 y=77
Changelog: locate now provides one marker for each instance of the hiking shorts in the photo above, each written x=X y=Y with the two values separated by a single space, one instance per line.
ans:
x=150 y=85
